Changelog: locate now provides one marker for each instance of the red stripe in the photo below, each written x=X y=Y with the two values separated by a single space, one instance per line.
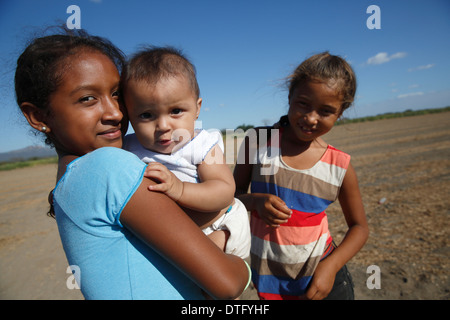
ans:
x=287 y=235
x=301 y=219
x=274 y=296
x=341 y=159
x=329 y=249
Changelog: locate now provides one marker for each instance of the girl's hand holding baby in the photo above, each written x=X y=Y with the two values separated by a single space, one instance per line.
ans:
x=168 y=183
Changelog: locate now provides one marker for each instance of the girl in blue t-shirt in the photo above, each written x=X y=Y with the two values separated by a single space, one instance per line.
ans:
x=120 y=234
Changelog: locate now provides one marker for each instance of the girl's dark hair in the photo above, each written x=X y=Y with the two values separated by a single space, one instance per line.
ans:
x=154 y=63
x=325 y=67
x=42 y=65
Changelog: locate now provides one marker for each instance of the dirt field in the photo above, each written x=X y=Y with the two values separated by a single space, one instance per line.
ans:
x=406 y=161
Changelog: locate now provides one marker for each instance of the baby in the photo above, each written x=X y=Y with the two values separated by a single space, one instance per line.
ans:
x=162 y=97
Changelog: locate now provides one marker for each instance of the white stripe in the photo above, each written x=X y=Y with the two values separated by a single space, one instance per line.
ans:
x=328 y=172
x=289 y=254
x=324 y=171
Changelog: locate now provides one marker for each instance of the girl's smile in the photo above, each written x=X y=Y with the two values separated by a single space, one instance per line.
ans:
x=306 y=130
x=112 y=134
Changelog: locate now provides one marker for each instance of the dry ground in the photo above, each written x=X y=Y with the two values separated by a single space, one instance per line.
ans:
x=405 y=160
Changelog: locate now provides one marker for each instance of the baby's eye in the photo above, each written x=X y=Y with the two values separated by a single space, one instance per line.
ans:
x=145 y=115
x=177 y=111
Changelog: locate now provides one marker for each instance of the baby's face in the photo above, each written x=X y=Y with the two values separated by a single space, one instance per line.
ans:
x=161 y=113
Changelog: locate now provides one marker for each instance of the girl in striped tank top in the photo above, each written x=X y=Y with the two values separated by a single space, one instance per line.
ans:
x=294 y=178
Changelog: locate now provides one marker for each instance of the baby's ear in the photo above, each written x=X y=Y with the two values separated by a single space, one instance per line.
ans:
x=34 y=116
x=199 y=106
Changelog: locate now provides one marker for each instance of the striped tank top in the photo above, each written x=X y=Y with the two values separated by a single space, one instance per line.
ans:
x=284 y=259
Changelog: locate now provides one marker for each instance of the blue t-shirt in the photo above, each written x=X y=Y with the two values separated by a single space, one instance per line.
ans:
x=112 y=262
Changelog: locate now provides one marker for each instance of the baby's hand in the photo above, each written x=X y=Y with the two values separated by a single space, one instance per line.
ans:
x=168 y=182
x=272 y=210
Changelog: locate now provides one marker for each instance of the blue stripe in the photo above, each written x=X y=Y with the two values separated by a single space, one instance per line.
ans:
x=280 y=285
x=294 y=199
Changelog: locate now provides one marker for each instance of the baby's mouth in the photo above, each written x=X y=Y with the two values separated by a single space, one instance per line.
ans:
x=165 y=142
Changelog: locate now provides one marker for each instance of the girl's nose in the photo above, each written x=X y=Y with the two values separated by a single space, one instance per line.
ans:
x=311 y=117
x=112 y=110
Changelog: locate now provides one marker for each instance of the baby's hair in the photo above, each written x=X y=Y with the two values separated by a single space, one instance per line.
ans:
x=152 y=64
x=331 y=69
x=42 y=65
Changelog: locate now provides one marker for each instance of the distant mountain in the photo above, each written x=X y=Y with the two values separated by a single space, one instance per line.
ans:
x=27 y=153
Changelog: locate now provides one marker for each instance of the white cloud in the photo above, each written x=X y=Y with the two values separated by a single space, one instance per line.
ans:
x=412 y=94
x=383 y=57
x=428 y=66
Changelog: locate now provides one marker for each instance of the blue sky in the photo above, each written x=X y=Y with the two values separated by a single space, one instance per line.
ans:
x=244 y=49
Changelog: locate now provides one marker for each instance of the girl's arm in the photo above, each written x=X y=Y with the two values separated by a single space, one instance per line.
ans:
x=271 y=208
x=355 y=216
x=222 y=276
x=243 y=172
x=357 y=234
x=214 y=192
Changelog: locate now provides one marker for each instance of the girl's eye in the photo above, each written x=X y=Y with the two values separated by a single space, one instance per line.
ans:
x=145 y=115
x=302 y=105
x=87 y=99
x=116 y=94
x=327 y=112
